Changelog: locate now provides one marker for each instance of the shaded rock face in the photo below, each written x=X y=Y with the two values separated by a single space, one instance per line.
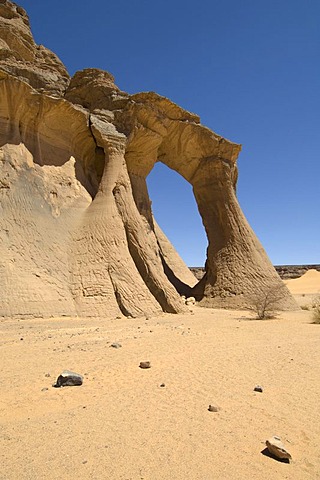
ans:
x=77 y=232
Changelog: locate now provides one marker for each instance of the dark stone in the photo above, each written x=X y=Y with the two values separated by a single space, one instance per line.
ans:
x=145 y=365
x=213 y=408
x=68 y=379
x=116 y=345
x=258 y=388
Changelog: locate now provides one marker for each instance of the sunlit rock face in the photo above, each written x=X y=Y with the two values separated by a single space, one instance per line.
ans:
x=22 y=58
x=77 y=232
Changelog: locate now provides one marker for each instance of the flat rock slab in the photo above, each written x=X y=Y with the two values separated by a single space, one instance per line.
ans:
x=68 y=379
x=277 y=449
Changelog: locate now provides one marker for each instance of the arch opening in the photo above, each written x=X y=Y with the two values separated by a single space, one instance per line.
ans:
x=176 y=216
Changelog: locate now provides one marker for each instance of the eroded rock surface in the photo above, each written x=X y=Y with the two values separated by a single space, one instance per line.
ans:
x=21 y=57
x=77 y=232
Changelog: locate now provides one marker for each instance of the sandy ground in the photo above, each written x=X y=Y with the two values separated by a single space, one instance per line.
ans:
x=121 y=424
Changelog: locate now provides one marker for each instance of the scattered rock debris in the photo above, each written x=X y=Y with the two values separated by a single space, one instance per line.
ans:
x=190 y=301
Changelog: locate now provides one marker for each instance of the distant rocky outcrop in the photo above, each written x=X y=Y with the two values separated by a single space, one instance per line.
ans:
x=77 y=232
x=285 y=272
x=294 y=271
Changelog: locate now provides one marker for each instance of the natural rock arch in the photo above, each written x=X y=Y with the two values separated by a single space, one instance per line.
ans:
x=78 y=236
x=237 y=265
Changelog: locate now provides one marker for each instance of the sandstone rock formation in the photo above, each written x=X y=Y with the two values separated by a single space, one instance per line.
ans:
x=77 y=232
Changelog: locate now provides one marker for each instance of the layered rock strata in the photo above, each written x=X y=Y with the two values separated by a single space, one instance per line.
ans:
x=77 y=232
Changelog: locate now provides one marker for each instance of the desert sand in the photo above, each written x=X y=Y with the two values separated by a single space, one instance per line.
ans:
x=122 y=424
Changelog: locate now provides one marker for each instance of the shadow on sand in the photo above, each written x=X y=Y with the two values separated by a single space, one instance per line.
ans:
x=266 y=453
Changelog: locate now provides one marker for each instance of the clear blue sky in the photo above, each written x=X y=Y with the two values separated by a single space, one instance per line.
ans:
x=250 y=69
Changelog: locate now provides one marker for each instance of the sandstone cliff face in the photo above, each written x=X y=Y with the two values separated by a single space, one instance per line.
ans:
x=77 y=231
x=21 y=57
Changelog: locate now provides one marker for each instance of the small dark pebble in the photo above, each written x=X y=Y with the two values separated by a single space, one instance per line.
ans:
x=258 y=388
x=162 y=385
x=44 y=389
x=116 y=345
x=213 y=408
x=47 y=375
x=145 y=365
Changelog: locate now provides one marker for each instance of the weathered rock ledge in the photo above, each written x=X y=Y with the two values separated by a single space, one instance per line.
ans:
x=77 y=232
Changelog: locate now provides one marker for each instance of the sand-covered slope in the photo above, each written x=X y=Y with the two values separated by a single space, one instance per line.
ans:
x=309 y=283
x=306 y=289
